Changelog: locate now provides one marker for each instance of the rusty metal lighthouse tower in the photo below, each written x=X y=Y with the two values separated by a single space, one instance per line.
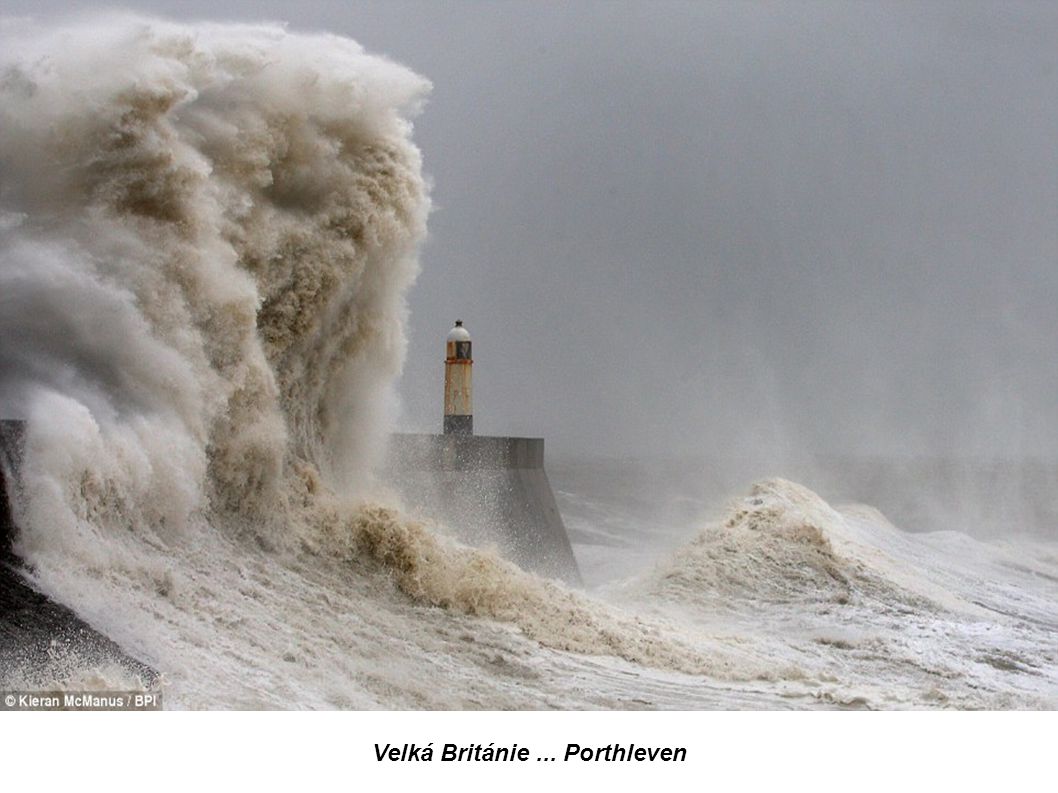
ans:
x=459 y=402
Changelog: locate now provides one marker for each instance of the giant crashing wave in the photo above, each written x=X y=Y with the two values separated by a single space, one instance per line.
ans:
x=208 y=234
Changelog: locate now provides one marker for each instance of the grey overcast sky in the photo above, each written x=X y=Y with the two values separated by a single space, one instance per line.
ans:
x=730 y=228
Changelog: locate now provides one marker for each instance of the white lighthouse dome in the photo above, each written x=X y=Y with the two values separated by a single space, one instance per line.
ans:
x=458 y=333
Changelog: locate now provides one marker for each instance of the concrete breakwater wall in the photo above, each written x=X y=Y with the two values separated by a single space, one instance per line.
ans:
x=489 y=492
x=40 y=640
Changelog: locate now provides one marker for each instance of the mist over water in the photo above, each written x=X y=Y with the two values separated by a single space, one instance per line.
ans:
x=208 y=236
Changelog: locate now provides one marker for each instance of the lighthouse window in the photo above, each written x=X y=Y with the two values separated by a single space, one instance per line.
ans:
x=463 y=350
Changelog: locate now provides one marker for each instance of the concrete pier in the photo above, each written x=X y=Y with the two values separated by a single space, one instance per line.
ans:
x=490 y=492
x=40 y=639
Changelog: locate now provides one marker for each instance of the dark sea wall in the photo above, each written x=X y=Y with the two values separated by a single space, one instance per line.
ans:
x=41 y=641
x=488 y=491
x=12 y=437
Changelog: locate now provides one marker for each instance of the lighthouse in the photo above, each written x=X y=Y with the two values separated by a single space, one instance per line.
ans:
x=459 y=405
x=492 y=490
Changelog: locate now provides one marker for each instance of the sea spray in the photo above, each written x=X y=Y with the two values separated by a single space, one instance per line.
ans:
x=209 y=234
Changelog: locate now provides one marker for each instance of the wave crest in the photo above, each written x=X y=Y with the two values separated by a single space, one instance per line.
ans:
x=782 y=543
x=208 y=235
